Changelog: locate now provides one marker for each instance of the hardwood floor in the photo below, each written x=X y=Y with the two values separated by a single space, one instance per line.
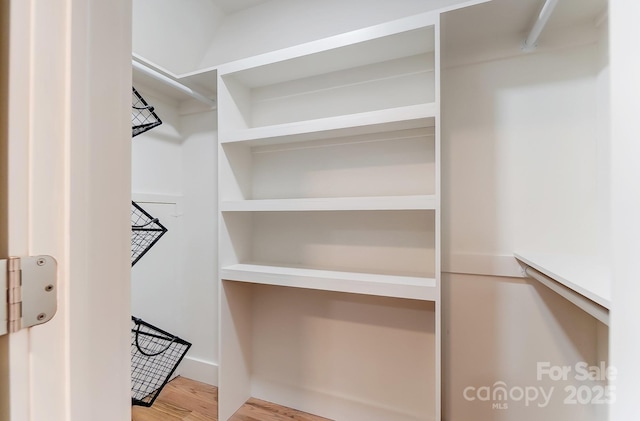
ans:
x=188 y=400
x=181 y=400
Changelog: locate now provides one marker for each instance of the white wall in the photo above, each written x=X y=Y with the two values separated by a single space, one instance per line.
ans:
x=157 y=278
x=625 y=149
x=157 y=163
x=345 y=356
x=524 y=166
x=174 y=34
x=497 y=330
x=174 y=179
x=520 y=149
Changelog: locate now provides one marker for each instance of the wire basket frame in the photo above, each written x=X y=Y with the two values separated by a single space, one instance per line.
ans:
x=145 y=232
x=143 y=116
x=155 y=355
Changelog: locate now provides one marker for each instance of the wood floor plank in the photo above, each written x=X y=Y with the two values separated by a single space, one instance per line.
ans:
x=195 y=416
x=259 y=410
x=206 y=403
x=159 y=410
x=183 y=399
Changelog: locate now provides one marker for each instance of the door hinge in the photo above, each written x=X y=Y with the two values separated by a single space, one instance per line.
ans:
x=31 y=285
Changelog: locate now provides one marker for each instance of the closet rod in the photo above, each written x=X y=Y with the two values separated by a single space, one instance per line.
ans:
x=582 y=302
x=531 y=42
x=173 y=83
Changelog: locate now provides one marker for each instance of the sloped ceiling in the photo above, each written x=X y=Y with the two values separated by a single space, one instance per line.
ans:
x=189 y=35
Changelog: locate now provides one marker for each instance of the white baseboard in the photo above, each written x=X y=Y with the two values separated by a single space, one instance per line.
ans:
x=199 y=370
x=332 y=406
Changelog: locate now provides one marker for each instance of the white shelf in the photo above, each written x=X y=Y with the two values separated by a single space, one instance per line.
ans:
x=575 y=278
x=387 y=41
x=579 y=274
x=419 y=202
x=408 y=117
x=420 y=288
x=151 y=76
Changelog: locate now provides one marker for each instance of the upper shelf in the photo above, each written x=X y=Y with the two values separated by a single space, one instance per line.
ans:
x=579 y=274
x=408 y=117
x=388 y=41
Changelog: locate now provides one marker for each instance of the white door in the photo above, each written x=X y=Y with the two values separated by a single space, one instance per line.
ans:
x=65 y=78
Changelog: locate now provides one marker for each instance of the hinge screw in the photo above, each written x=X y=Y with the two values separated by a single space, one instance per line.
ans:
x=41 y=316
x=48 y=288
x=41 y=261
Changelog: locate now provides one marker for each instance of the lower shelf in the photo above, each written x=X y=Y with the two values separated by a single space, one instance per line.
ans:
x=419 y=288
x=415 y=202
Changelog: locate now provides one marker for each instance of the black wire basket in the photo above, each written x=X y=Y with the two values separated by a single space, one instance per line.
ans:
x=155 y=355
x=145 y=232
x=143 y=117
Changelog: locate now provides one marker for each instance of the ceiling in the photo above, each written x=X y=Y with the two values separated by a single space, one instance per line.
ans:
x=232 y=6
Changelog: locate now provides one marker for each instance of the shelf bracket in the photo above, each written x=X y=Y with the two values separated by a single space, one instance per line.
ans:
x=31 y=298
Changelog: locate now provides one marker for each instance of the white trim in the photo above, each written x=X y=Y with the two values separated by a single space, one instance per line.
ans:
x=482 y=264
x=14 y=348
x=625 y=206
x=156 y=198
x=199 y=370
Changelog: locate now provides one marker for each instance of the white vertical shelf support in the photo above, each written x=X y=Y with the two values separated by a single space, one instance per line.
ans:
x=438 y=214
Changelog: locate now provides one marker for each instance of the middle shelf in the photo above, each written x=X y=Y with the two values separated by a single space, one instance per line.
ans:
x=420 y=288
x=391 y=169
x=378 y=121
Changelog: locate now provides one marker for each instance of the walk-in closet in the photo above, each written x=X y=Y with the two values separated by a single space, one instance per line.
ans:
x=380 y=210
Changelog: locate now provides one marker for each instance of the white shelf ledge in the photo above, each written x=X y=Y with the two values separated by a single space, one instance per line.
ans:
x=399 y=38
x=147 y=75
x=419 y=288
x=400 y=118
x=419 y=202
x=578 y=279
